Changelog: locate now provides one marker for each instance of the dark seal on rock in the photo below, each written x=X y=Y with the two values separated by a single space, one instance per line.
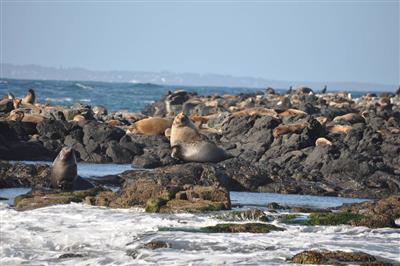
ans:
x=64 y=173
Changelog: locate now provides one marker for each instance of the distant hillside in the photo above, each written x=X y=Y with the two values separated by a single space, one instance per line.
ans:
x=36 y=72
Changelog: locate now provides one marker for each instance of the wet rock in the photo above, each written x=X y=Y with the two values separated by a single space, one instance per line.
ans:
x=380 y=213
x=24 y=175
x=325 y=257
x=41 y=199
x=156 y=245
x=331 y=218
x=156 y=190
x=242 y=228
x=253 y=214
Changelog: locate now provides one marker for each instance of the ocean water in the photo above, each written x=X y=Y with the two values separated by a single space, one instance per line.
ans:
x=114 y=96
x=104 y=236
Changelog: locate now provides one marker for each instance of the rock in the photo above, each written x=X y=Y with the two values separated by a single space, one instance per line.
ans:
x=156 y=245
x=40 y=199
x=253 y=214
x=326 y=257
x=117 y=153
x=242 y=228
x=330 y=218
x=157 y=190
x=380 y=213
x=24 y=175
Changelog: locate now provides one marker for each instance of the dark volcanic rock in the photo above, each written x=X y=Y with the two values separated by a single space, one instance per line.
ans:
x=24 y=175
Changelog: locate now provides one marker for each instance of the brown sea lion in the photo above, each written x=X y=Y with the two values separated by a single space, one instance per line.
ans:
x=322 y=141
x=292 y=112
x=350 y=117
x=288 y=128
x=151 y=126
x=339 y=129
x=322 y=120
x=19 y=115
x=188 y=144
x=17 y=103
x=30 y=97
x=260 y=111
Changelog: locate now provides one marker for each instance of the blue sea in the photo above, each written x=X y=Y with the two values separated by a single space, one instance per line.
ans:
x=114 y=96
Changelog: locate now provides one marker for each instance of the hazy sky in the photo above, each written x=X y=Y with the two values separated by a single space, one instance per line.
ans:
x=303 y=41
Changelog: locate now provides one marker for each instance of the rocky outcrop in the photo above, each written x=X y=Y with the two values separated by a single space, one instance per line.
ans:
x=298 y=142
x=326 y=257
x=24 y=175
x=179 y=188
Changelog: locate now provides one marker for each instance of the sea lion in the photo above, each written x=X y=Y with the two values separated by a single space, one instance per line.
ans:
x=293 y=112
x=339 y=129
x=188 y=144
x=64 y=170
x=350 y=117
x=30 y=97
x=19 y=115
x=322 y=120
x=10 y=95
x=183 y=130
x=99 y=110
x=322 y=141
x=260 y=111
x=79 y=118
x=151 y=126
x=288 y=128
x=16 y=103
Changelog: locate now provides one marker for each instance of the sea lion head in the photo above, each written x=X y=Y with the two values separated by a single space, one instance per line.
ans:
x=67 y=154
x=181 y=120
x=16 y=115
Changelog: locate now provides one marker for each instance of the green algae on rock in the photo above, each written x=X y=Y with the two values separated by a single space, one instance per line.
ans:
x=328 y=218
x=38 y=199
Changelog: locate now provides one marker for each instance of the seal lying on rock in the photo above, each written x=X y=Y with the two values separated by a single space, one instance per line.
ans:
x=151 y=126
x=289 y=128
x=189 y=145
x=64 y=173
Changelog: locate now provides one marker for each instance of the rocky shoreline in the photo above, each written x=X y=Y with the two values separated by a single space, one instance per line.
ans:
x=299 y=142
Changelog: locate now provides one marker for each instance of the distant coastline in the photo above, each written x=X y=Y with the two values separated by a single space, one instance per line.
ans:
x=36 y=72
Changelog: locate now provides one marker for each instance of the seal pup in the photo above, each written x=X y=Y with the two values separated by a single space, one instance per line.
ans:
x=151 y=126
x=188 y=144
x=64 y=172
x=29 y=97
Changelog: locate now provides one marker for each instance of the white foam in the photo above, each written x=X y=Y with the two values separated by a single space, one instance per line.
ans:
x=105 y=236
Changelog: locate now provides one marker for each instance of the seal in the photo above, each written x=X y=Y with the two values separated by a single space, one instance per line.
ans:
x=19 y=115
x=293 y=112
x=64 y=172
x=188 y=144
x=339 y=129
x=151 y=126
x=322 y=141
x=352 y=118
x=288 y=128
x=29 y=97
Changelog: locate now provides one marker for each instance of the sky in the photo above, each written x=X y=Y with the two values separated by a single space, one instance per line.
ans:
x=325 y=41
